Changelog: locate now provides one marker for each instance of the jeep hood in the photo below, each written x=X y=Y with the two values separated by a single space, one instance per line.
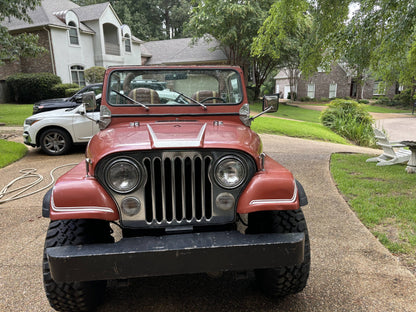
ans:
x=173 y=135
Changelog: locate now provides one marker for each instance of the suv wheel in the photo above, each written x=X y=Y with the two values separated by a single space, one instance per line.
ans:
x=281 y=281
x=55 y=142
x=74 y=296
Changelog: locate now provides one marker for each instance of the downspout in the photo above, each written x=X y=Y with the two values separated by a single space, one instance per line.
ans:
x=51 y=50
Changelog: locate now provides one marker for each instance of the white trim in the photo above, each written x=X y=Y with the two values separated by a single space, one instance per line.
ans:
x=277 y=201
x=80 y=208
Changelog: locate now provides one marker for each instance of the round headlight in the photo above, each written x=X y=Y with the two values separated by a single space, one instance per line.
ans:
x=230 y=172
x=123 y=175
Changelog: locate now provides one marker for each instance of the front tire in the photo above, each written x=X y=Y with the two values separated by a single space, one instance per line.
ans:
x=55 y=142
x=281 y=281
x=74 y=296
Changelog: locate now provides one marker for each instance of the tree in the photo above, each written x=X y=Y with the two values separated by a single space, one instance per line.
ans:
x=234 y=24
x=283 y=37
x=23 y=45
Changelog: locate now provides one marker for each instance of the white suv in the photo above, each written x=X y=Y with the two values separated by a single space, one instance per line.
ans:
x=57 y=130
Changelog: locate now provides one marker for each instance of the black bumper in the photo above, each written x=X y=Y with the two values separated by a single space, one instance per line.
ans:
x=175 y=254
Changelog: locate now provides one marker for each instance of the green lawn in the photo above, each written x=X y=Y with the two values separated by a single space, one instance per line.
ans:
x=384 y=198
x=299 y=129
x=15 y=114
x=10 y=152
x=372 y=108
x=290 y=112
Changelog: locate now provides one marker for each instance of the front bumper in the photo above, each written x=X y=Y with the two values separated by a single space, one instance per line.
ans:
x=175 y=254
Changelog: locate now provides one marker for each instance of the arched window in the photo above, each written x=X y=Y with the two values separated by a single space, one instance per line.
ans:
x=77 y=75
x=73 y=33
x=127 y=43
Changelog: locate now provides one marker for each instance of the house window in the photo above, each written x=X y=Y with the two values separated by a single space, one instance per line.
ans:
x=127 y=43
x=332 y=90
x=73 y=33
x=311 y=90
x=378 y=88
x=77 y=75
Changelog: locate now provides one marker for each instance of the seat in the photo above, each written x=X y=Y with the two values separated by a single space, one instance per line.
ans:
x=144 y=96
x=200 y=96
x=393 y=152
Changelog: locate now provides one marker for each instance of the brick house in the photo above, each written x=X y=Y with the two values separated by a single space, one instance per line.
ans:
x=338 y=82
x=76 y=38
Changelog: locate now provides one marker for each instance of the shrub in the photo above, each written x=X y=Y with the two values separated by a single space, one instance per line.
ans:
x=71 y=91
x=350 y=120
x=29 y=88
x=363 y=101
x=59 y=89
x=291 y=96
x=382 y=100
x=323 y=99
x=404 y=98
x=94 y=74
x=305 y=99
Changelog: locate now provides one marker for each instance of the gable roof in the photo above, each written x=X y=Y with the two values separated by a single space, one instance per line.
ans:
x=46 y=15
x=91 y=12
x=180 y=51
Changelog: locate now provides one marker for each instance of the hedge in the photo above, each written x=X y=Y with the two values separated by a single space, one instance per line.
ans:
x=29 y=88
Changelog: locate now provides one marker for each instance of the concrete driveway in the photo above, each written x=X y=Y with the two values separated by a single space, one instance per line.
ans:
x=351 y=270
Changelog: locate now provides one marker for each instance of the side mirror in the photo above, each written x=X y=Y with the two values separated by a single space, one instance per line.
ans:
x=88 y=98
x=270 y=103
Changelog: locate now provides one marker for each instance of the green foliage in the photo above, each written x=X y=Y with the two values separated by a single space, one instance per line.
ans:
x=305 y=99
x=21 y=45
x=299 y=129
x=292 y=96
x=382 y=197
x=10 y=152
x=58 y=90
x=71 y=91
x=363 y=101
x=350 y=120
x=29 y=88
x=94 y=74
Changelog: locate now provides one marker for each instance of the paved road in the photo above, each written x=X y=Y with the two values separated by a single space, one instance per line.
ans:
x=351 y=270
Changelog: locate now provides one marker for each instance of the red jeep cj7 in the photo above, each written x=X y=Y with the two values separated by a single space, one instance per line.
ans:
x=178 y=172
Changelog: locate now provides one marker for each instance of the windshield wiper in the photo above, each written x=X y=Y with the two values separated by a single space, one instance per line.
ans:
x=130 y=99
x=193 y=100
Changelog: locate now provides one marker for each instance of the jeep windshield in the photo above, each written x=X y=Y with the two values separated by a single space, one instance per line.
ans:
x=150 y=87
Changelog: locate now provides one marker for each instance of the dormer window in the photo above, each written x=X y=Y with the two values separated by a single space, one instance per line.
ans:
x=73 y=33
x=127 y=43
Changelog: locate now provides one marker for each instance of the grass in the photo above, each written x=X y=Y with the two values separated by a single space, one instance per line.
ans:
x=372 y=108
x=299 y=129
x=10 y=152
x=384 y=199
x=290 y=112
x=15 y=114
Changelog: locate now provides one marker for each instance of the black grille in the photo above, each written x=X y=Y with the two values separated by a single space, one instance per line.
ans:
x=178 y=188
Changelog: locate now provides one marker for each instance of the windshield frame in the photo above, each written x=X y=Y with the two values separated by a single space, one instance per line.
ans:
x=233 y=74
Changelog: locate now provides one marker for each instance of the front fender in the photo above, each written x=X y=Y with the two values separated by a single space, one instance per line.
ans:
x=77 y=196
x=273 y=188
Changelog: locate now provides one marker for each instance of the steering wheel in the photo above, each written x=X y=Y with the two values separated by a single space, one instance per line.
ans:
x=212 y=98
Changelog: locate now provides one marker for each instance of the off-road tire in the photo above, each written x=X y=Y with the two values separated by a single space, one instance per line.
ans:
x=55 y=142
x=281 y=281
x=74 y=296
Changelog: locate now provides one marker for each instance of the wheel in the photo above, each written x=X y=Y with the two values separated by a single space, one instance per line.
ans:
x=281 y=281
x=74 y=296
x=212 y=98
x=55 y=142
